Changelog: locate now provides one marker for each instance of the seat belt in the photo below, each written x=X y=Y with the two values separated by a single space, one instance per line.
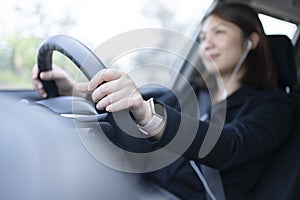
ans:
x=210 y=177
x=214 y=180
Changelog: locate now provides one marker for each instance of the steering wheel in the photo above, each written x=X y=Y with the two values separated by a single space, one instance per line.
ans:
x=77 y=52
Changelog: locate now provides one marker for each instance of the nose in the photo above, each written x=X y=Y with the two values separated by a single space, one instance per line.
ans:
x=207 y=43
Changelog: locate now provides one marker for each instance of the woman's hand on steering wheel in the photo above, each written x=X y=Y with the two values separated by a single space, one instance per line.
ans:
x=113 y=91
x=62 y=79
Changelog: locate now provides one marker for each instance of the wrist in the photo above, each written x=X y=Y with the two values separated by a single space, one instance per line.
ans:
x=147 y=114
x=155 y=122
x=143 y=116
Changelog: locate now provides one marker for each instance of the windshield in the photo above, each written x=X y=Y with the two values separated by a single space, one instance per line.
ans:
x=25 y=24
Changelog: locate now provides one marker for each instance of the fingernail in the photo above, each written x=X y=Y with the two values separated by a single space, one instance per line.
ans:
x=98 y=107
x=43 y=75
x=108 y=108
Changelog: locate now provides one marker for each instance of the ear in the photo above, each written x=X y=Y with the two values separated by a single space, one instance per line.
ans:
x=254 y=38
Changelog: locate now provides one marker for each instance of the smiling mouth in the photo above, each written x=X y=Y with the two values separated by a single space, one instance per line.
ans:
x=213 y=56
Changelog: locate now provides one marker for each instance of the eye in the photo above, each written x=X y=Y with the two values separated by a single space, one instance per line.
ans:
x=220 y=31
x=202 y=37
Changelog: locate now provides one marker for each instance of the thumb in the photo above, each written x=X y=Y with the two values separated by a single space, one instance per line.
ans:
x=50 y=75
x=82 y=87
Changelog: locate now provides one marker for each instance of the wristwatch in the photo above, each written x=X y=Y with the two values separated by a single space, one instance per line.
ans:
x=158 y=117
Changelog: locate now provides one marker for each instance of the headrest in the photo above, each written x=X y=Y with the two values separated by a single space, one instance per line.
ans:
x=284 y=59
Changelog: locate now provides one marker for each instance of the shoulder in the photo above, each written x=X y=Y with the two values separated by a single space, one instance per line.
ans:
x=249 y=97
x=271 y=96
x=272 y=103
x=261 y=102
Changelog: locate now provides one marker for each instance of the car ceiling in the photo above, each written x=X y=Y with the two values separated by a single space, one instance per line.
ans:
x=285 y=9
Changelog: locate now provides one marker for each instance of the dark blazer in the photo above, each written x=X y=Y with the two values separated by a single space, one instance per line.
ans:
x=257 y=123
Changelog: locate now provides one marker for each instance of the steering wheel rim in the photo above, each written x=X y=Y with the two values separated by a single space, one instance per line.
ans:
x=73 y=49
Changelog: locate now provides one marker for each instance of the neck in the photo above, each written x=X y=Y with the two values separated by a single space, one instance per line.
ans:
x=231 y=80
x=229 y=87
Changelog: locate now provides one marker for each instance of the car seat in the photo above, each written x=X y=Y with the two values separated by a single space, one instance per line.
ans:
x=281 y=180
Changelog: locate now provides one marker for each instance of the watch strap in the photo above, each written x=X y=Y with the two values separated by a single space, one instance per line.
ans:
x=152 y=127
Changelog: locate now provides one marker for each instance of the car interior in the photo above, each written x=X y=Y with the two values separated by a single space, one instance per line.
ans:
x=44 y=157
x=280 y=173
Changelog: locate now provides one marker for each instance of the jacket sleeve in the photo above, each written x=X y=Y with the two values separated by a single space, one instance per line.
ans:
x=261 y=126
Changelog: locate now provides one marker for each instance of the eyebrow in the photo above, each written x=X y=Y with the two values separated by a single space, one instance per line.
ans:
x=214 y=27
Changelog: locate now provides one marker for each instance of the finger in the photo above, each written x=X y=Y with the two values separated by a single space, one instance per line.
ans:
x=122 y=82
x=42 y=92
x=103 y=103
x=35 y=72
x=104 y=90
x=117 y=106
x=105 y=75
x=51 y=75
x=121 y=99
x=37 y=84
x=123 y=104
x=109 y=99
x=82 y=87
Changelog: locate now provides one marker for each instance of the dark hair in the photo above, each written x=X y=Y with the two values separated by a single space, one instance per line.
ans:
x=260 y=70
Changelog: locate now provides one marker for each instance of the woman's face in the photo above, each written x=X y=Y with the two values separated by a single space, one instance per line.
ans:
x=221 y=45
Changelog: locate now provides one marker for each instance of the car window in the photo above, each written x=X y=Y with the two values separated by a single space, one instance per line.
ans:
x=274 y=25
x=25 y=24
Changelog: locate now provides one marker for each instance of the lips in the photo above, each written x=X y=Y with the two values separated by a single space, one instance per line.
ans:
x=213 y=56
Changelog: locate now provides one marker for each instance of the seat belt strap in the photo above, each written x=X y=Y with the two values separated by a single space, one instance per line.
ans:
x=210 y=177
x=209 y=193
x=211 y=181
x=214 y=180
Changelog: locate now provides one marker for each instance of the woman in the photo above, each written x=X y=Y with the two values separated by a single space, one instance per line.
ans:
x=234 y=49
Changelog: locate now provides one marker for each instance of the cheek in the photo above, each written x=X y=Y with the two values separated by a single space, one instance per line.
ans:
x=233 y=55
x=231 y=51
x=203 y=56
x=209 y=65
x=223 y=64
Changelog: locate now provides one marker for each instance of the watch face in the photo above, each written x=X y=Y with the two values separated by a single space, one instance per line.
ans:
x=159 y=109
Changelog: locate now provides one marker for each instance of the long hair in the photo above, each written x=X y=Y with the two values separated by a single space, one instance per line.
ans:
x=260 y=70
